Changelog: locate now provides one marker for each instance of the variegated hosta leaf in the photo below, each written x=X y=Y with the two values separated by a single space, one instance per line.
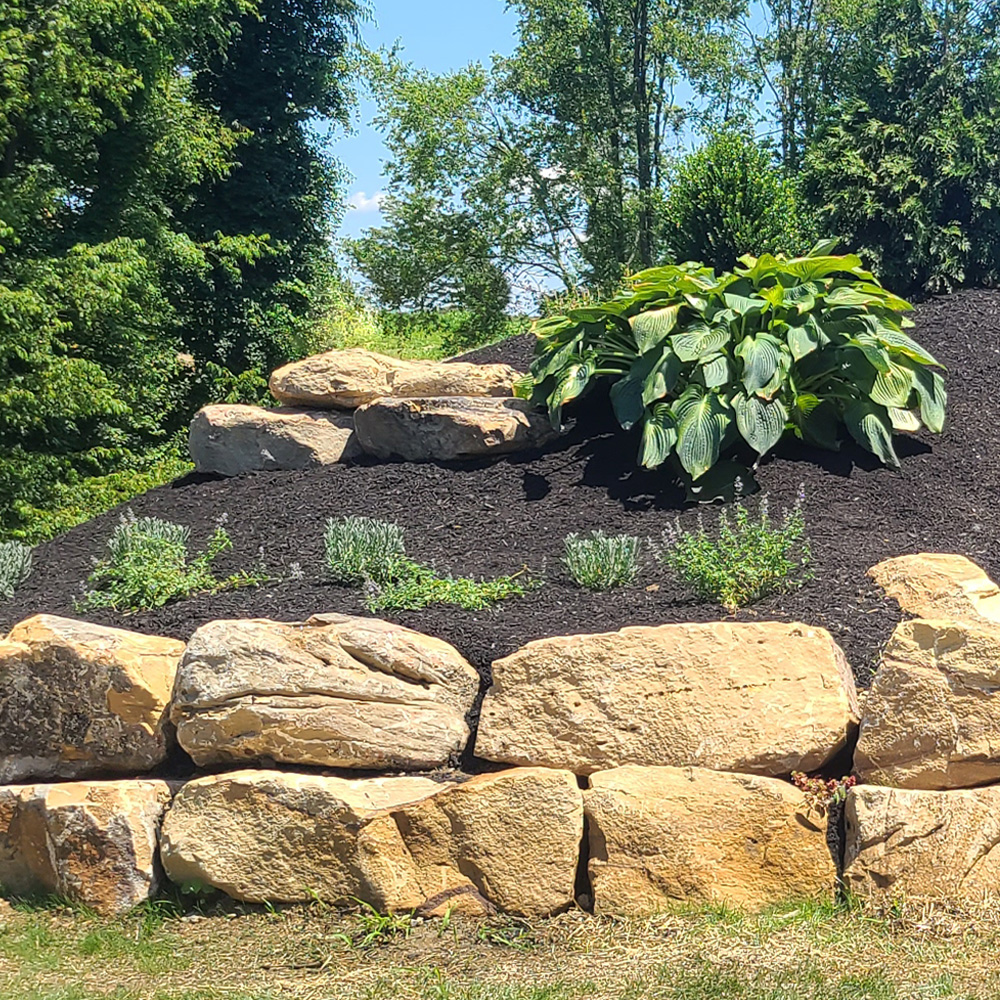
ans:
x=760 y=356
x=700 y=433
x=871 y=427
x=761 y=423
x=904 y=420
x=653 y=326
x=659 y=436
x=893 y=387
x=699 y=340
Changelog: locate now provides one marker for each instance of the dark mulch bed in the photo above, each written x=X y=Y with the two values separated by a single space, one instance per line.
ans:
x=488 y=518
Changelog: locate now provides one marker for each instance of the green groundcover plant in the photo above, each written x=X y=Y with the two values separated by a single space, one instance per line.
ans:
x=778 y=346
x=148 y=565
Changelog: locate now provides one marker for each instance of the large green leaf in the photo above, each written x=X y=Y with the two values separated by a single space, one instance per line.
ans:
x=894 y=387
x=659 y=435
x=702 y=426
x=932 y=396
x=699 y=340
x=653 y=326
x=803 y=339
x=899 y=343
x=554 y=360
x=663 y=376
x=760 y=422
x=715 y=371
x=626 y=398
x=871 y=427
x=569 y=384
x=904 y=420
x=760 y=356
x=876 y=355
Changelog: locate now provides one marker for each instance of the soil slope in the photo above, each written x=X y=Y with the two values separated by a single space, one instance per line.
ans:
x=488 y=518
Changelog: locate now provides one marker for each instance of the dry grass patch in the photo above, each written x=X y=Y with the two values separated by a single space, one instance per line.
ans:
x=791 y=952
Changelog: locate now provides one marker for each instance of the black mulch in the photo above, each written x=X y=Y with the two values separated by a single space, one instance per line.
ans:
x=488 y=518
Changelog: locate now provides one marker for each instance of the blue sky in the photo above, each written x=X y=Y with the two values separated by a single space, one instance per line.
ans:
x=439 y=35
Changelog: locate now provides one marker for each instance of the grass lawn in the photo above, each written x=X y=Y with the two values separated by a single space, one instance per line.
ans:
x=791 y=952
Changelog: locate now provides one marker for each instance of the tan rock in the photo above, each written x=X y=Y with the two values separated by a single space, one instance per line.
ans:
x=347 y=379
x=921 y=845
x=78 y=699
x=234 y=439
x=420 y=430
x=93 y=842
x=335 y=691
x=767 y=698
x=509 y=839
x=663 y=834
x=938 y=585
x=932 y=717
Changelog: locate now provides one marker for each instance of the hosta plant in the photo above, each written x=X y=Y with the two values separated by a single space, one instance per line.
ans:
x=778 y=346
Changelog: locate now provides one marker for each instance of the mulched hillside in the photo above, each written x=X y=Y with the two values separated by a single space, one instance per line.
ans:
x=488 y=518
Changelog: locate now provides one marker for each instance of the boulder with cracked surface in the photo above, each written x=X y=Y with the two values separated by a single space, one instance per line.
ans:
x=764 y=698
x=938 y=585
x=660 y=835
x=423 y=430
x=508 y=840
x=232 y=439
x=932 y=717
x=923 y=845
x=334 y=691
x=78 y=699
x=93 y=842
x=347 y=379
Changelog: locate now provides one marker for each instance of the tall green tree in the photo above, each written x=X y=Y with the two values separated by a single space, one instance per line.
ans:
x=905 y=167
x=285 y=68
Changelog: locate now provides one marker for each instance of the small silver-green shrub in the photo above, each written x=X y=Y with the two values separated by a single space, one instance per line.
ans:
x=746 y=559
x=362 y=548
x=600 y=562
x=15 y=567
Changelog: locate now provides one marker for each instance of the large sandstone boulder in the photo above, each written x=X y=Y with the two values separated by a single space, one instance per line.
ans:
x=665 y=834
x=335 y=691
x=938 y=585
x=509 y=839
x=347 y=379
x=921 y=845
x=93 y=842
x=233 y=439
x=932 y=717
x=766 y=698
x=422 y=430
x=79 y=699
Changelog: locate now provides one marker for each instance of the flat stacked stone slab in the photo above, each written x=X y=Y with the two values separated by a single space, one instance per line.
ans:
x=441 y=429
x=78 y=699
x=334 y=691
x=765 y=698
x=93 y=842
x=661 y=835
x=233 y=439
x=348 y=379
x=508 y=840
x=906 y=844
x=932 y=717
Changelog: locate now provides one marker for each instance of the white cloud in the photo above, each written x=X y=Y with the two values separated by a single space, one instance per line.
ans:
x=360 y=201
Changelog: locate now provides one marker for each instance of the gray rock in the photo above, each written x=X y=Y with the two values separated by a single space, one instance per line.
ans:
x=234 y=439
x=440 y=429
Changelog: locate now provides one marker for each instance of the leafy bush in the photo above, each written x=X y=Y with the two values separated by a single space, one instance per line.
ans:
x=729 y=197
x=147 y=565
x=746 y=560
x=15 y=567
x=698 y=361
x=599 y=561
x=365 y=551
x=362 y=548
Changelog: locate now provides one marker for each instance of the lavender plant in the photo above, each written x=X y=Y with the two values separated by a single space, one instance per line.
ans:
x=362 y=548
x=601 y=562
x=15 y=567
x=746 y=559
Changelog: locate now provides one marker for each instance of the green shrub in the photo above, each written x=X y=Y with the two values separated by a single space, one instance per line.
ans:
x=747 y=559
x=15 y=567
x=363 y=551
x=700 y=361
x=414 y=586
x=729 y=197
x=362 y=548
x=600 y=562
x=147 y=565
